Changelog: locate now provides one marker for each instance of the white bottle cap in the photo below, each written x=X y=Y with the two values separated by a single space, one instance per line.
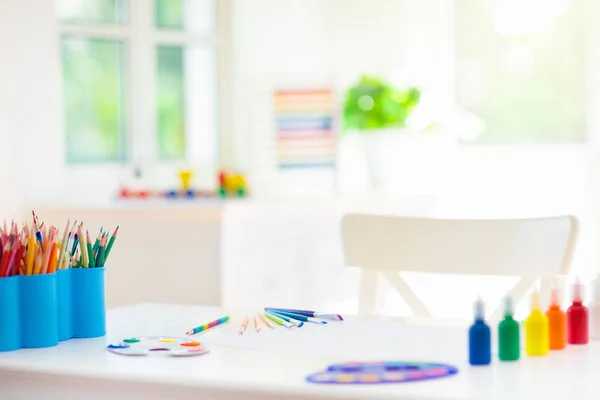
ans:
x=554 y=297
x=508 y=306
x=577 y=291
x=479 y=309
x=535 y=300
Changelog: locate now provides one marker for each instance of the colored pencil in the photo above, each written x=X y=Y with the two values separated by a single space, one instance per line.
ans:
x=256 y=325
x=65 y=256
x=41 y=248
x=278 y=320
x=97 y=242
x=37 y=266
x=83 y=247
x=110 y=244
x=314 y=314
x=11 y=258
x=30 y=254
x=63 y=244
x=38 y=234
x=4 y=261
x=19 y=258
x=243 y=327
x=297 y=316
x=75 y=243
x=100 y=255
x=90 y=251
x=292 y=321
x=208 y=325
x=266 y=321
x=53 y=260
x=46 y=254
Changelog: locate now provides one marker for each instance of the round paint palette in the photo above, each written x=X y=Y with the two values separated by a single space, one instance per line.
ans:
x=163 y=345
x=381 y=372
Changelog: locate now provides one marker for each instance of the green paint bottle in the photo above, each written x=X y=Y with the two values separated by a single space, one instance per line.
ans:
x=509 y=342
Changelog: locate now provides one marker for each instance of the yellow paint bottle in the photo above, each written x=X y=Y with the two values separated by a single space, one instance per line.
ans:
x=536 y=329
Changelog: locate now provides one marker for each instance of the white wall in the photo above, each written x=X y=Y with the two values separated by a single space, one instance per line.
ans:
x=9 y=122
x=290 y=43
x=29 y=102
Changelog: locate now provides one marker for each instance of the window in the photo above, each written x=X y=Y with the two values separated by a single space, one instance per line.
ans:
x=139 y=80
x=521 y=67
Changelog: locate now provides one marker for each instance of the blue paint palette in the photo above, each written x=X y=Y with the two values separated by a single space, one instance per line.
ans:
x=381 y=372
x=157 y=345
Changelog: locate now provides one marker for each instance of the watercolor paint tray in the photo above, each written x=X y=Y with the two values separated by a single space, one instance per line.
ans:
x=158 y=345
x=381 y=372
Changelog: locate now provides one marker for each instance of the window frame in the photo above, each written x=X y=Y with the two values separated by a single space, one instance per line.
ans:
x=140 y=38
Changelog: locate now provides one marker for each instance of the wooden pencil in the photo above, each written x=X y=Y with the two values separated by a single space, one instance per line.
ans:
x=110 y=245
x=90 y=251
x=53 y=260
x=101 y=250
x=63 y=244
x=37 y=267
x=82 y=246
x=46 y=254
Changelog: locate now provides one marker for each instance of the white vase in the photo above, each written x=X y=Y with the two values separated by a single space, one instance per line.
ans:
x=406 y=161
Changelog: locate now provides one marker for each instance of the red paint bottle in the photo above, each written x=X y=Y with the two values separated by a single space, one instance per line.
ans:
x=577 y=318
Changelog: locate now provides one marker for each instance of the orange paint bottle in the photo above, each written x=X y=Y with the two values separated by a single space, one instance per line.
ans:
x=557 y=322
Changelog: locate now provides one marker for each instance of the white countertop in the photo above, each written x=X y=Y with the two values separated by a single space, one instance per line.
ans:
x=275 y=363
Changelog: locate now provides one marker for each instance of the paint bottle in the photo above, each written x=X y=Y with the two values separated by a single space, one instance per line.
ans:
x=536 y=329
x=557 y=322
x=577 y=318
x=480 y=345
x=594 y=309
x=509 y=343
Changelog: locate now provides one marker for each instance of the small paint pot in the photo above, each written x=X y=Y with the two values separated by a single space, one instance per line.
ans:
x=88 y=305
x=64 y=304
x=10 y=316
x=39 y=315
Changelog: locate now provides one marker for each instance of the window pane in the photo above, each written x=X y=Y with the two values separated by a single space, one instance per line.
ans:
x=110 y=12
x=186 y=103
x=94 y=99
x=171 y=102
x=521 y=67
x=191 y=15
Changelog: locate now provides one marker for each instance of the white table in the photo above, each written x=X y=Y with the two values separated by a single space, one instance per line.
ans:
x=274 y=363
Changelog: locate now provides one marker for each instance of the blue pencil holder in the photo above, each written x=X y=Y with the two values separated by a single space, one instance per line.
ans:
x=64 y=301
x=10 y=314
x=89 y=312
x=39 y=316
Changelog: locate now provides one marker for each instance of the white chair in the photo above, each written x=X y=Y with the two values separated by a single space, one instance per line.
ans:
x=528 y=248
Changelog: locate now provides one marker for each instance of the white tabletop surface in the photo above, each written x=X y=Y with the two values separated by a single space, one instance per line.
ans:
x=274 y=363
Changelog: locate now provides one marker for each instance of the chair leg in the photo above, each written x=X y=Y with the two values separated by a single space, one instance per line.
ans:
x=367 y=292
x=415 y=304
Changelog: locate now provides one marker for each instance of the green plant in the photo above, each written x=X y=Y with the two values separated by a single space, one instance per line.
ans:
x=374 y=103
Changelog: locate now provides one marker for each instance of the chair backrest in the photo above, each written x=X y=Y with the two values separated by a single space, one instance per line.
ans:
x=529 y=248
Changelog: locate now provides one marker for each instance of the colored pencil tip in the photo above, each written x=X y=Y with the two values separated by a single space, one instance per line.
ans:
x=323 y=322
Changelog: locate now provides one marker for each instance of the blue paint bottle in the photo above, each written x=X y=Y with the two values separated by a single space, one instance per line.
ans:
x=480 y=343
